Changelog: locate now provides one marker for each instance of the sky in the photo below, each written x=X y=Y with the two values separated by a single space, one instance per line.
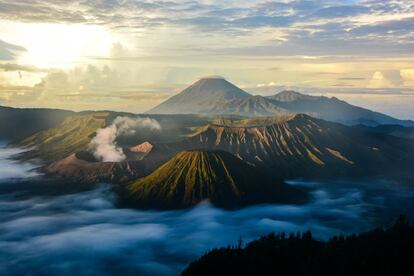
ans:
x=130 y=55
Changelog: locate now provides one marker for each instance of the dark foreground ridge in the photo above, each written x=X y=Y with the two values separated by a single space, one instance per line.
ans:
x=378 y=252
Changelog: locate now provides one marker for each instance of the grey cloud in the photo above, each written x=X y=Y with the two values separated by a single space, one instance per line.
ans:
x=263 y=21
x=9 y=51
x=298 y=6
x=18 y=67
x=40 y=11
x=342 y=84
x=324 y=73
x=404 y=26
x=207 y=18
x=340 y=11
x=351 y=78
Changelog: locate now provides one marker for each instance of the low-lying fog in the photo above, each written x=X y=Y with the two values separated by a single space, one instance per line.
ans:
x=84 y=233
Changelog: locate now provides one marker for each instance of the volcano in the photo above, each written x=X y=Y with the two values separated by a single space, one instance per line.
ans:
x=202 y=97
x=196 y=175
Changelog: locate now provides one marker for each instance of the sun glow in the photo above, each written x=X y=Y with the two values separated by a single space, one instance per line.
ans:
x=57 y=45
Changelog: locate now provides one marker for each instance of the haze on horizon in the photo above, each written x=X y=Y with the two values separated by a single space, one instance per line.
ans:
x=131 y=55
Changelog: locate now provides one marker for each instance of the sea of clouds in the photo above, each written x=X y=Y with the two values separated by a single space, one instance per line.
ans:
x=11 y=169
x=84 y=233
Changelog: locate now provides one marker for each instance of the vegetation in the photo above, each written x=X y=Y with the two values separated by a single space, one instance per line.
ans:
x=378 y=252
x=195 y=175
x=72 y=135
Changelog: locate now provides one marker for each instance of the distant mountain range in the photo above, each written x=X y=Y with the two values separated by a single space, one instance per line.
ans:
x=218 y=96
x=18 y=123
x=394 y=130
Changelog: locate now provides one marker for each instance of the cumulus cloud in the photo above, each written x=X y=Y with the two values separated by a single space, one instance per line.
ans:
x=80 y=78
x=104 y=146
x=379 y=80
x=408 y=77
x=83 y=87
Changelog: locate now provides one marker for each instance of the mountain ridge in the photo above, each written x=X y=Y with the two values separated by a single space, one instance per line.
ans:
x=80 y=167
x=299 y=146
x=218 y=96
x=332 y=109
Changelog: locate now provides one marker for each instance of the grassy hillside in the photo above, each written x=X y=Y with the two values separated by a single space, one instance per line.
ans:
x=73 y=134
x=193 y=176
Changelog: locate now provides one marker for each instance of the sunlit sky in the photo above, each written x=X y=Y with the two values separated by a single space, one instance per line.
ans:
x=131 y=55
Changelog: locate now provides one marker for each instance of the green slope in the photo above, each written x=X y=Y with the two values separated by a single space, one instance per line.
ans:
x=73 y=134
x=193 y=176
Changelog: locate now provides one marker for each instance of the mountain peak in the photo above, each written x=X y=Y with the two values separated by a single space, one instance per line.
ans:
x=201 y=97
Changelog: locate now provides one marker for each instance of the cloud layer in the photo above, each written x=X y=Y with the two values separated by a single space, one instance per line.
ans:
x=85 y=233
x=11 y=169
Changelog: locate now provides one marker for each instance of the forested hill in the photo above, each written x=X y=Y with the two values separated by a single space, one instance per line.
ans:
x=379 y=252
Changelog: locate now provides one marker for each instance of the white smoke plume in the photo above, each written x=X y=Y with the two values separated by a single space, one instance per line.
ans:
x=104 y=146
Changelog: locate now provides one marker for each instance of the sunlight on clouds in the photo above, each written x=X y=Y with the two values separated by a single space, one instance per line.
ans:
x=22 y=78
x=378 y=80
x=100 y=54
x=57 y=45
x=408 y=77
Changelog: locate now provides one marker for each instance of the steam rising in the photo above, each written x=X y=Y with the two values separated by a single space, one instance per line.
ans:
x=104 y=146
